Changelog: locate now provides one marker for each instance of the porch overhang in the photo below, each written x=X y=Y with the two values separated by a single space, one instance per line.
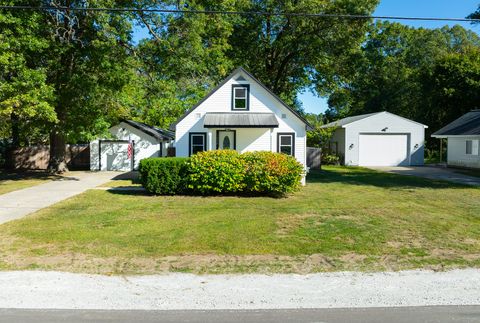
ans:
x=240 y=120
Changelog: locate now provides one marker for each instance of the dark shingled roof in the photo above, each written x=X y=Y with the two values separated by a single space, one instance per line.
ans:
x=240 y=120
x=466 y=125
x=155 y=132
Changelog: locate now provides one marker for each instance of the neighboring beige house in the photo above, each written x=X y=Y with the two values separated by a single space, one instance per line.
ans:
x=463 y=137
x=241 y=114
x=378 y=139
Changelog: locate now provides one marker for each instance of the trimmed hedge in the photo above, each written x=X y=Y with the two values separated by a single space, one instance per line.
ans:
x=163 y=176
x=222 y=172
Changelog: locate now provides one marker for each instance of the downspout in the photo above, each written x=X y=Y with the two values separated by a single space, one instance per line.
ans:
x=271 y=140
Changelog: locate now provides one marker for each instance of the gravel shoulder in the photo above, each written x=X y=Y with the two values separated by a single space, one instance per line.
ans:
x=57 y=290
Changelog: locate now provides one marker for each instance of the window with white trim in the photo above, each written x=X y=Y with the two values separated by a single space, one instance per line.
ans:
x=198 y=142
x=240 y=99
x=472 y=147
x=286 y=143
x=469 y=147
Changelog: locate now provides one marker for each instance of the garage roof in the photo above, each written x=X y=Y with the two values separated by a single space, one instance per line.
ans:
x=346 y=121
x=155 y=132
x=240 y=120
x=466 y=125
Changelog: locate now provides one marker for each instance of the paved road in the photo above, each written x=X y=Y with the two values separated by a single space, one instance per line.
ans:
x=441 y=314
x=17 y=204
x=439 y=173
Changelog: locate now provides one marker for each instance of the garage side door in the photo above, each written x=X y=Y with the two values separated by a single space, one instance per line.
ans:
x=383 y=150
x=115 y=156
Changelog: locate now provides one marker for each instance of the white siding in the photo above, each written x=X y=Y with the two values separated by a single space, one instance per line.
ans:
x=145 y=145
x=392 y=124
x=456 y=153
x=247 y=139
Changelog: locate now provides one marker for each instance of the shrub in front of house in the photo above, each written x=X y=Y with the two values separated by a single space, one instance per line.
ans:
x=222 y=172
x=215 y=172
x=163 y=176
x=271 y=173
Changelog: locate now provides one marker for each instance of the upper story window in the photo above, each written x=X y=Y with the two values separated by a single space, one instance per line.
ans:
x=240 y=96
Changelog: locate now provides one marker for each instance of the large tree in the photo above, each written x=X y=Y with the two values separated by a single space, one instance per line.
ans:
x=187 y=53
x=87 y=65
x=25 y=96
x=402 y=70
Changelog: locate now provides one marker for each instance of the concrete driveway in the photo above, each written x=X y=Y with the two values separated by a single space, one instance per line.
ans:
x=432 y=172
x=17 y=204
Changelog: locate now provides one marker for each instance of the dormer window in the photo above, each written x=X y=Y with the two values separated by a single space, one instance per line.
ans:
x=240 y=96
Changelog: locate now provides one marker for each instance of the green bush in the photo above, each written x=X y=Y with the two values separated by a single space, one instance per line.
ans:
x=222 y=172
x=271 y=173
x=215 y=171
x=164 y=176
x=329 y=159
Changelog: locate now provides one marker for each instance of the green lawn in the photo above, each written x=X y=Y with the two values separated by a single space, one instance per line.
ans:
x=16 y=180
x=344 y=219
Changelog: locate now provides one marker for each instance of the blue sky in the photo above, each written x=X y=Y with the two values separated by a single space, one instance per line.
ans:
x=409 y=8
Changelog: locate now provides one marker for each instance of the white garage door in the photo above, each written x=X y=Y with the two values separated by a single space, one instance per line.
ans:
x=383 y=150
x=114 y=156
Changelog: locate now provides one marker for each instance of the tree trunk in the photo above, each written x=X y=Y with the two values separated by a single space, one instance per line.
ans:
x=15 y=132
x=58 y=152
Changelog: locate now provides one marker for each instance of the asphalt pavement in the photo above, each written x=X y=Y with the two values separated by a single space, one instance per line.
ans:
x=437 y=314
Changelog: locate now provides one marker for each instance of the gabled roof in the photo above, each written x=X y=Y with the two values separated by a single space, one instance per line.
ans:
x=155 y=132
x=466 y=125
x=346 y=121
x=241 y=69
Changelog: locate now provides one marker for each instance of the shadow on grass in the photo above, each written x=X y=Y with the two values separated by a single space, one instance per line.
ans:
x=363 y=176
x=31 y=174
x=132 y=175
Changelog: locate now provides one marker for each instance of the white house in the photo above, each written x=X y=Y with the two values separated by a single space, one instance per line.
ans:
x=132 y=141
x=378 y=139
x=241 y=114
x=463 y=136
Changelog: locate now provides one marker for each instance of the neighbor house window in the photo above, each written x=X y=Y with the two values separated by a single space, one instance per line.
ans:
x=240 y=98
x=286 y=143
x=469 y=147
x=198 y=142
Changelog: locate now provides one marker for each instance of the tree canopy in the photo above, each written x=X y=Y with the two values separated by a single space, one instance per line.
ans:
x=430 y=76
x=68 y=75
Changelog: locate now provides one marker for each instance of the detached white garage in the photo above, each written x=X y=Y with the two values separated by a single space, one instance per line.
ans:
x=132 y=141
x=378 y=139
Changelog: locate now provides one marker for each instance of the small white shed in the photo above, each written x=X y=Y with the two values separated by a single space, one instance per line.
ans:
x=378 y=139
x=132 y=141
x=463 y=137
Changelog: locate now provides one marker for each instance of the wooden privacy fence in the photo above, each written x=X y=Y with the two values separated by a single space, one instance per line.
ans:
x=36 y=157
x=314 y=158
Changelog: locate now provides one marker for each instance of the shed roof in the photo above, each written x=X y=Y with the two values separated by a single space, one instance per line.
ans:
x=466 y=125
x=346 y=121
x=240 y=120
x=155 y=132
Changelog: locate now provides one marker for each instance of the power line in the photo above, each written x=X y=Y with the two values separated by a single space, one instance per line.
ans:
x=243 y=13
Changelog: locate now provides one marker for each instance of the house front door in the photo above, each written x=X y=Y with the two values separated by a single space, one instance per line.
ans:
x=226 y=139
